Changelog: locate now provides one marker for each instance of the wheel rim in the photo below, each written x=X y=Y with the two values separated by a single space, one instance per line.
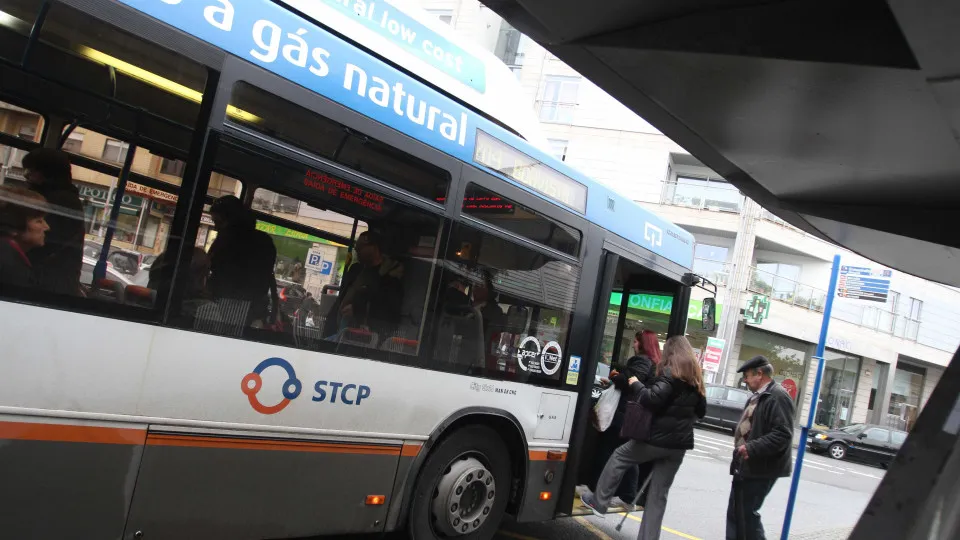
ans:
x=836 y=451
x=464 y=497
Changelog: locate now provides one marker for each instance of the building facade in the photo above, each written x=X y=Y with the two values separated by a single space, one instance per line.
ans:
x=882 y=360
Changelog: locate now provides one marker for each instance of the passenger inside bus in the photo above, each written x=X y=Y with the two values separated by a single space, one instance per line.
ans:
x=57 y=263
x=371 y=292
x=22 y=230
x=242 y=260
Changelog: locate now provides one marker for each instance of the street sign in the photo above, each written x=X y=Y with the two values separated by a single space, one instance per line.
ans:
x=864 y=283
x=758 y=309
x=712 y=354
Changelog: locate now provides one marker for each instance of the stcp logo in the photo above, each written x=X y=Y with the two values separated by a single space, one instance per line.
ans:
x=252 y=383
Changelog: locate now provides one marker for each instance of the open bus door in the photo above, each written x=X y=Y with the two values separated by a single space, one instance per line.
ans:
x=630 y=298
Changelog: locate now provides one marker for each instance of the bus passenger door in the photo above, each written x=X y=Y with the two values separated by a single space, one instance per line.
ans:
x=631 y=299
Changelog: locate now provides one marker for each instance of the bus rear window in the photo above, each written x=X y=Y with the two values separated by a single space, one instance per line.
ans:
x=329 y=139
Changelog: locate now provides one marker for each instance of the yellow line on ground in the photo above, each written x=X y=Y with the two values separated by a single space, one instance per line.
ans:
x=592 y=528
x=515 y=535
x=667 y=529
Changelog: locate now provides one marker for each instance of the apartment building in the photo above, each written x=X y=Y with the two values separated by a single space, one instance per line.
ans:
x=883 y=359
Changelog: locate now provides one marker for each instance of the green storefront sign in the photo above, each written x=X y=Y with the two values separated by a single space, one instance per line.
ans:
x=279 y=230
x=660 y=304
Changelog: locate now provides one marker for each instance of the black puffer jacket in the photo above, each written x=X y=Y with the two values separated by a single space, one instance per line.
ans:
x=641 y=367
x=676 y=406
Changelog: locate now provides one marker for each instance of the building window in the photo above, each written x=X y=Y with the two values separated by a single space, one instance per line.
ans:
x=778 y=280
x=559 y=99
x=912 y=326
x=115 y=151
x=172 y=166
x=445 y=15
x=558 y=148
x=711 y=263
x=905 y=396
x=74 y=142
x=508 y=45
x=27 y=132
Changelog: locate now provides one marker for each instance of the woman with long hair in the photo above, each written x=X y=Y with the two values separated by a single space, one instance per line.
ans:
x=676 y=397
x=642 y=366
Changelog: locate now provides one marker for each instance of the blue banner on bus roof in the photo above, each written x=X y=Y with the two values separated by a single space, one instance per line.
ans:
x=413 y=37
x=269 y=36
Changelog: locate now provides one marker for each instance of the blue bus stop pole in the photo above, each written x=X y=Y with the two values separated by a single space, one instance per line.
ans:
x=814 y=399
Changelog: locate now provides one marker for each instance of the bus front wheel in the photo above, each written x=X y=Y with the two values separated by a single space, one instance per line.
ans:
x=463 y=487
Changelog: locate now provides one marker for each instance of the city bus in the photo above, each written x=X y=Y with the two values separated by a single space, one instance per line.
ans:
x=142 y=405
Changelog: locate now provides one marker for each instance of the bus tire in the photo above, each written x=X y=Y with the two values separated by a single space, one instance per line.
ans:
x=463 y=487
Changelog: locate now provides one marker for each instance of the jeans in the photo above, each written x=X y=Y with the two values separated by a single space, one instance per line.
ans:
x=743 y=508
x=666 y=463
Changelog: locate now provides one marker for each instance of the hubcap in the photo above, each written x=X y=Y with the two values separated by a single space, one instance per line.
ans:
x=837 y=452
x=464 y=498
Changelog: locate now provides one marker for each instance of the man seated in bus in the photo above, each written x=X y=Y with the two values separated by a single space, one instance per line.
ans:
x=58 y=262
x=371 y=293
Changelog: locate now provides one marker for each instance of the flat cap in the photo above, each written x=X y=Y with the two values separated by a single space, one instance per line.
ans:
x=754 y=363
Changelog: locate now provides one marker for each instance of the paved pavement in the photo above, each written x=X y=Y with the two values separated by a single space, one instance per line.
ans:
x=831 y=497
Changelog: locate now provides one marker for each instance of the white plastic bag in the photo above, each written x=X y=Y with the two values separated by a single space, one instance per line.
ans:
x=605 y=408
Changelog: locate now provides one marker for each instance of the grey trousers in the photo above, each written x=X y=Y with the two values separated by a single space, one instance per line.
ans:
x=666 y=463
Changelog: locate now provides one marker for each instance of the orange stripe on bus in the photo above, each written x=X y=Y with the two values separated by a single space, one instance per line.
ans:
x=411 y=449
x=33 y=431
x=547 y=455
x=193 y=441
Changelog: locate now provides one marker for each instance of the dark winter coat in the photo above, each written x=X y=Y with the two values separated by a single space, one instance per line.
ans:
x=771 y=437
x=676 y=406
x=57 y=263
x=14 y=267
x=641 y=367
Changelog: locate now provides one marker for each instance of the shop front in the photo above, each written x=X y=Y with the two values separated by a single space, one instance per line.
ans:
x=145 y=215
x=790 y=358
x=838 y=389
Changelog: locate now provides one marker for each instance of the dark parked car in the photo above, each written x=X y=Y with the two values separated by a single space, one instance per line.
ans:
x=724 y=406
x=861 y=442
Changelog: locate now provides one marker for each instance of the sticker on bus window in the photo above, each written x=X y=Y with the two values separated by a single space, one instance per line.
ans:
x=573 y=371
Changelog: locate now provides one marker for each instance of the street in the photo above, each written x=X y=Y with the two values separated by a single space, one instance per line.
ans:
x=831 y=498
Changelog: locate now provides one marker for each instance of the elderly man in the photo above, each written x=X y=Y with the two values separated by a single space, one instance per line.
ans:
x=761 y=452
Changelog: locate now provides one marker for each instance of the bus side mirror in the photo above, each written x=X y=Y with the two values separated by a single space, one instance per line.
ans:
x=708 y=317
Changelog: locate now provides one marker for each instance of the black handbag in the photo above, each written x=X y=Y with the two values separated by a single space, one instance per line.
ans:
x=637 y=422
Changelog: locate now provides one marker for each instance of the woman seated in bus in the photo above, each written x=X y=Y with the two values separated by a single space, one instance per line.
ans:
x=23 y=227
x=642 y=366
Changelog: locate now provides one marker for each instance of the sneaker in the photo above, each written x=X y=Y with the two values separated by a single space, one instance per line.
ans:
x=617 y=501
x=590 y=502
x=581 y=489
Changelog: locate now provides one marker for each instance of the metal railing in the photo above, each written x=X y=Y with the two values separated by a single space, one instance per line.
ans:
x=716 y=271
x=786 y=290
x=704 y=196
x=808 y=297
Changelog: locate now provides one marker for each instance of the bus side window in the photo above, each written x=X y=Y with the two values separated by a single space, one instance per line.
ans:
x=505 y=309
x=293 y=241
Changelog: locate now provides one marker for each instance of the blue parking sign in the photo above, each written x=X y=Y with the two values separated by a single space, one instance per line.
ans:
x=314 y=259
x=326 y=267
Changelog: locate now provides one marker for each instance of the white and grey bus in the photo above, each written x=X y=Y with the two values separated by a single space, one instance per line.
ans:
x=148 y=407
